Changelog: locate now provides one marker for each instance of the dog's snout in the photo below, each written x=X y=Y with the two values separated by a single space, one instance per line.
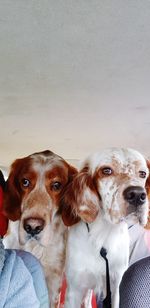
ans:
x=33 y=226
x=135 y=195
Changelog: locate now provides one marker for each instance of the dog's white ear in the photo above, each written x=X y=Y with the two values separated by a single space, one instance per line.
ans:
x=80 y=200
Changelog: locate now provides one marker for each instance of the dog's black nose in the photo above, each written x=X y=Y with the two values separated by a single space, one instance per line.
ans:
x=135 y=195
x=33 y=226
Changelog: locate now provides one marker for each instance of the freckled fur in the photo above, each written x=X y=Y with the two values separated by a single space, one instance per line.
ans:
x=39 y=202
x=85 y=268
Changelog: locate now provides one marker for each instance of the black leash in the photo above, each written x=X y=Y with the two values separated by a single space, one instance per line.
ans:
x=107 y=300
x=103 y=253
x=87 y=227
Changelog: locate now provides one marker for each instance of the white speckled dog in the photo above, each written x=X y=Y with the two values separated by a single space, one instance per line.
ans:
x=109 y=189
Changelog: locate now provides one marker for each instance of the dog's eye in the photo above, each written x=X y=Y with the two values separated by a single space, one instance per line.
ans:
x=56 y=186
x=142 y=174
x=107 y=171
x=25 y=182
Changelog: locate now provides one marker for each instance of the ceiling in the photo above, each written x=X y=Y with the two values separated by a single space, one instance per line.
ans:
x=75 y=76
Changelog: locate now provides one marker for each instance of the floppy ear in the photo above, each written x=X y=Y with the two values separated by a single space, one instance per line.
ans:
x=80 y=200
x=68 y=217
x=12 y=194
x=3 y=218
x=147 y=186
x=72 y=171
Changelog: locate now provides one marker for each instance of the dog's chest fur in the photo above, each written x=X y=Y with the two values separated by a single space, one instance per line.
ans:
x=83 y=251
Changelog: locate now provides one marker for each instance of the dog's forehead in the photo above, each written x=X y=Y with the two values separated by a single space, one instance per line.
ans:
x=121 y=158
x=42 y=162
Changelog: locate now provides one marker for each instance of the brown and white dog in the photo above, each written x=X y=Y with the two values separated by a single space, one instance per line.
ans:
x=109 y=191
x=32 y=199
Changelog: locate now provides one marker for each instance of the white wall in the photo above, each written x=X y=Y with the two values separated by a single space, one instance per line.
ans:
x=75 y=76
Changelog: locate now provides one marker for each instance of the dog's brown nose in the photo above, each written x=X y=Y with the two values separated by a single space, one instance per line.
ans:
x=33 y=226
x=135 y=195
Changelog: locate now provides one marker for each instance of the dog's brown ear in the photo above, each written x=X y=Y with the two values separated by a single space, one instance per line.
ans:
x=80 y=200
x=72 y=171
x=12 y=194
x=147 y=186
x=67 y=207
x=69 y=218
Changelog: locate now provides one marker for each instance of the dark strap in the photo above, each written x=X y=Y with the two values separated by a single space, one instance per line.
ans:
x=107 y=300
x=88 y=228
x=103 y=253
x=130 y=227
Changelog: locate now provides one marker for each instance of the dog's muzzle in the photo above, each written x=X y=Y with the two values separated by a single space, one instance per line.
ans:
x=135 y=195
x=33 y=226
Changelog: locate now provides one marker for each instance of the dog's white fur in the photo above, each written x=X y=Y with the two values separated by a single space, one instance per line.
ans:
x=99 y=201
x=36 y=202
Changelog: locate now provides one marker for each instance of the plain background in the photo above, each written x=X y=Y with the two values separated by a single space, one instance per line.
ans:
x=74 y=76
